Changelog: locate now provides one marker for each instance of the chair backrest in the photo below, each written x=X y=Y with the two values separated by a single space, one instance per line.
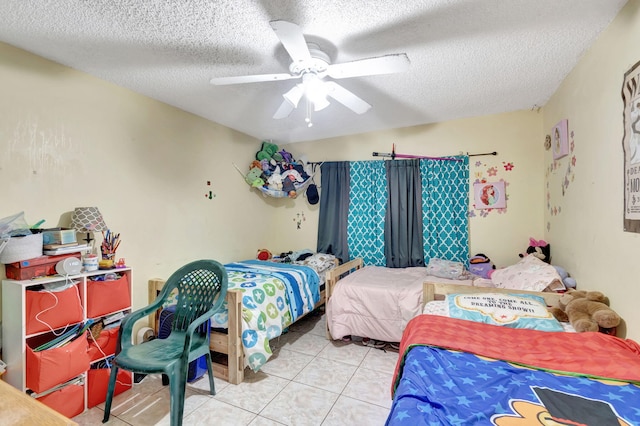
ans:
x=201 y=285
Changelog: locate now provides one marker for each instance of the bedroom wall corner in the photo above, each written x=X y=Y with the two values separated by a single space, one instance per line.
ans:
x=584 y=217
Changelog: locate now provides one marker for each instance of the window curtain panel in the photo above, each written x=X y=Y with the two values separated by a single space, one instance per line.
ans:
x=403 y=220
x=334 y=209
x=366 y=216
x=445 y=201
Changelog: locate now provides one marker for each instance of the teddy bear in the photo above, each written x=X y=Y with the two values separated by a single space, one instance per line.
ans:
x=586 y=311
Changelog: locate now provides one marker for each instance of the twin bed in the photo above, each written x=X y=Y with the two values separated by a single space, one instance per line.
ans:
x=263 y=299
x=456 y=371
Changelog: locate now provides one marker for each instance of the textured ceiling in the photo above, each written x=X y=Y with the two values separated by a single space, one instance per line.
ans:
x=468 y=57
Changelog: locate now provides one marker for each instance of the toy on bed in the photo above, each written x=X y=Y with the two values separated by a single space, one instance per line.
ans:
x=586 y=311
x=481 y=265
x=538 y=248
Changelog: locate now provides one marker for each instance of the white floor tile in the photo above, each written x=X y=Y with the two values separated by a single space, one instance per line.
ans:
x=286 y=364
x=300 y=405
x=370 y=386
x=254 y=393
x=326 y=374
x=351 y=412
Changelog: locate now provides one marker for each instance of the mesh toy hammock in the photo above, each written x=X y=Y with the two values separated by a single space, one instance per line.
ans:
x=300 y=187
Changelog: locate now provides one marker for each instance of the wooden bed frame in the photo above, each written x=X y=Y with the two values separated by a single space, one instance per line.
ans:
x=437 y=291
x=228 y=360
x=334 y=275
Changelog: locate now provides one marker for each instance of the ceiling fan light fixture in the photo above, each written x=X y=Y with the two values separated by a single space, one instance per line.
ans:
x=294 y=95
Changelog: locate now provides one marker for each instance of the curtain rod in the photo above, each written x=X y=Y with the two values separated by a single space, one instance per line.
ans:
x=393 y=155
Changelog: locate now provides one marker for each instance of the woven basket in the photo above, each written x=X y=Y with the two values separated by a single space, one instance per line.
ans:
x=22 y=248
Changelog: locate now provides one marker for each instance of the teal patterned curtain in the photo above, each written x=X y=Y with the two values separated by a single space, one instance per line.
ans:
x=445 y=195
x=368 y=203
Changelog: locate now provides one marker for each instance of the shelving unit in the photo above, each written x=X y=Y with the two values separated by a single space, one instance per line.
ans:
x=27 y=315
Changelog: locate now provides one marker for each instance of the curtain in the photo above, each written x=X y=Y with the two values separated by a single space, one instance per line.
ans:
x=403 y=220
x=368 y=202
x=334 y=208
x=445 y=194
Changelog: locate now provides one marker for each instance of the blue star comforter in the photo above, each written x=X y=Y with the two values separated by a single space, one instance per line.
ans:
x=439 y=382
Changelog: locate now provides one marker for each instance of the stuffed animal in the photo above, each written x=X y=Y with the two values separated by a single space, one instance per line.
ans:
x=567 y=280
x=481 y=265
x=268 y=151
x=275 y=181
x=254 y=177
x=263 y=254
x=586 y=311
x=538 y=248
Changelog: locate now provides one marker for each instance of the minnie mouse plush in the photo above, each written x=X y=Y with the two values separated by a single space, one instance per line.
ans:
x=538 y=248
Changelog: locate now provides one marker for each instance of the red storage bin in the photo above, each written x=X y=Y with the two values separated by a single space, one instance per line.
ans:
x=104 y=345
x=57 y=309
x=68 y=401
x=105 y=297
x=48 y=368
x=98 y=383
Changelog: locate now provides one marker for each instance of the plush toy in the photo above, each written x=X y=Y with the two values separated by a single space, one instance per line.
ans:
x=275 y=181
x=263 y=254
x=538 y=248
x=268 y=151
x=567 y=280
x=481 y=265
x=254 y=177
x=586 y=311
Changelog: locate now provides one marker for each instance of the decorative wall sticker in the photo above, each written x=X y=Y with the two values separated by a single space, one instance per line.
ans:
x=565 y=179
x=560 y=140
x=209 y=194
x=482 y=174
x=299 y=219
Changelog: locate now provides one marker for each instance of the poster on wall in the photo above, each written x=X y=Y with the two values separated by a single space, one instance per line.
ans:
x=489 y=195
x=631 y=147
x=560 y=142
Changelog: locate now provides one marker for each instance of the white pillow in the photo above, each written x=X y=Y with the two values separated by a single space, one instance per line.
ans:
x=509 y=310
x=447 y=269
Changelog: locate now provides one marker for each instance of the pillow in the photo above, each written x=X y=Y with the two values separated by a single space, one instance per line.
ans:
x=509 y=310
x=446 y=269
x=530 y=273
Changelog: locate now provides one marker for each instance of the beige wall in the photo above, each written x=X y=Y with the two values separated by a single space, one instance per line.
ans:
x=68 y=139
x=587 y=237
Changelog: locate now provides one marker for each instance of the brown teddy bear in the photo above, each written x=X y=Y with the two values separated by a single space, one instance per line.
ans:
x=586 y=311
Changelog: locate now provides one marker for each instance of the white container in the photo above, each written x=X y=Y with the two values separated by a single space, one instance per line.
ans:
x=22 y=248
x=90 y=262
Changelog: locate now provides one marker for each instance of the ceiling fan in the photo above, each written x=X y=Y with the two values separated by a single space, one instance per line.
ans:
x=312 y=65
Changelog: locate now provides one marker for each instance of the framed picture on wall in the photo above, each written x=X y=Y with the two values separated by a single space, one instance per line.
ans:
x=560 y=139
x=490 y=195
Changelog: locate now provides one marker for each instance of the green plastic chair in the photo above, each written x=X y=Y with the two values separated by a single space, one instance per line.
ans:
x=201 y=288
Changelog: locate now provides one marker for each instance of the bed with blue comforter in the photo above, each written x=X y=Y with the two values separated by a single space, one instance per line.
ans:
x=456 y=372
x=274 y=296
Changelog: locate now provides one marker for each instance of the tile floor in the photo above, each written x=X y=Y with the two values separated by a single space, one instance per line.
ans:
x=308 y=381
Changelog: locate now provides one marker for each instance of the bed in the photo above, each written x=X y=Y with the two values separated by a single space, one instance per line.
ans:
x=263 y=299
x=456 y=371
x=375 y=301
x=378 y=302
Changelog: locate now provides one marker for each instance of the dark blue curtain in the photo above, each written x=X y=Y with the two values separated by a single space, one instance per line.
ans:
x=403 y=219
x=334 y=209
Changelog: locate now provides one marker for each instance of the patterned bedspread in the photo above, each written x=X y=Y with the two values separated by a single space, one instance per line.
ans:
x=571 y=378
x=274 y=296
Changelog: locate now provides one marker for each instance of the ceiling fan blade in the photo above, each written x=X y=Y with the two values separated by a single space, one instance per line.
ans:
x=371 y=66
x=258 y=78
x=284 y=110
x=346 y=98
x=292 y=39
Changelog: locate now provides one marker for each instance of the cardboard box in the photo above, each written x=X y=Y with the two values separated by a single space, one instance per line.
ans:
x=40 y=266
x=58 y=236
